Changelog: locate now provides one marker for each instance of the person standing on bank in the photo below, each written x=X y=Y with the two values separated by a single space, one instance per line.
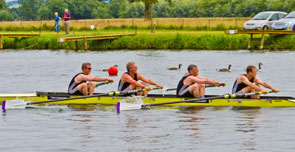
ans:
x=79 y=84
x=67 y=18
x=57 y=25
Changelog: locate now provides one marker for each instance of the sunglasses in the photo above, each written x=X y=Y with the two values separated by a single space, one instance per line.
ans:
x=88 y=68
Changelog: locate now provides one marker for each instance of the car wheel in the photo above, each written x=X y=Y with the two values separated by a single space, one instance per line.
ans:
x=265 y=27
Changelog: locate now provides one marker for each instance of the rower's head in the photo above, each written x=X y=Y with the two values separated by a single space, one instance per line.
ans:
x=56 y=14
x=193 y=69
x=131 y=67
x=86 y=68
x=251 y=70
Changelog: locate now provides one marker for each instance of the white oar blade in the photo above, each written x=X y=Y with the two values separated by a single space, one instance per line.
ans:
x=129 y=106
x=130 y=103
x=14 y=104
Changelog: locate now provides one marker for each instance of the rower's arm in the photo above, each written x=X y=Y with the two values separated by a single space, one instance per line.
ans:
x=210 y=81
x=248 y=83
x=81 y=78
x=142 y=78
x=266 y=85
x=130 y=80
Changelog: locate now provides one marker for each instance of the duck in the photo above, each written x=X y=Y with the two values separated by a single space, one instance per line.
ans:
x=259 y=66
x=225 y=69
x=175 y=68
x=106 y=70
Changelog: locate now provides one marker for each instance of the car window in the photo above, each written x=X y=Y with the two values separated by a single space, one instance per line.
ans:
x=291 y=15
x=261 y=16
x=281 y=16
x=274 y=17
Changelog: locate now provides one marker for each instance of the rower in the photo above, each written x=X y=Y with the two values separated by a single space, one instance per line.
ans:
x=248 y=82
x=130 y=80
x=79 y=84
x=192 y=85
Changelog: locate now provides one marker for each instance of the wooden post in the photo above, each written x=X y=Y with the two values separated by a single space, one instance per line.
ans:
x=250 y=41
x=1 y=42
x=85 y=44
x=76 y=44
x=152 y=24
x=157 y=22
x=209 y=24
x=262 y=41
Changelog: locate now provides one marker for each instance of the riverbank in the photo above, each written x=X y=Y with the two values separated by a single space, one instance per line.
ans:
x=162 y=39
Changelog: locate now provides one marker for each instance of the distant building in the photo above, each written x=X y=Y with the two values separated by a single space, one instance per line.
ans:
x=107 y=1
x=17 y=4
x=13 y=3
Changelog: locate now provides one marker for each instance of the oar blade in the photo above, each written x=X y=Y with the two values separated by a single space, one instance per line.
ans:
x=13 y=104
x=122 y=106
x=130 y=103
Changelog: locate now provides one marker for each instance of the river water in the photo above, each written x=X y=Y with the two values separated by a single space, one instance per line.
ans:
x=94 y=128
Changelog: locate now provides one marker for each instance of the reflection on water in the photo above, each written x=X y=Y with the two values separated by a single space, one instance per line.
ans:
x=192 y=120
x=246 y=123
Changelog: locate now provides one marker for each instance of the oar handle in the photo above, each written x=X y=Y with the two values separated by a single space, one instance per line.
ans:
x=215 y=85
x=206 y=85
x=101 y=83
x=250 y=94
x=135 y=91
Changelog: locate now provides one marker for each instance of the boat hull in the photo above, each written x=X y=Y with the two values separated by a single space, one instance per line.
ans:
x=266 y=101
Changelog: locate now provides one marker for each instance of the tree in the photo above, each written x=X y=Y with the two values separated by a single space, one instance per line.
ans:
x=44 y=13
x=118 y=8
x=4 y=15
x=101 y=11
x=148 y=7
x=29 y=9
x=3 y=5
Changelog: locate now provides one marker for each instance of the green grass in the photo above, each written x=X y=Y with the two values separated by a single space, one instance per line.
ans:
x=162 y=39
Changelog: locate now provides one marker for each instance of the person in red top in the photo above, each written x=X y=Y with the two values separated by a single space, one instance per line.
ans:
x=67 y=18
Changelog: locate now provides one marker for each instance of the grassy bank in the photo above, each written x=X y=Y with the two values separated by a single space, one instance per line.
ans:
x=218 y=23
x=162 y=39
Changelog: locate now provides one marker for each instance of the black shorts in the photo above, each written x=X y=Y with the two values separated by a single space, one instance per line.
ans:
x=187 y=95
x=76 y=93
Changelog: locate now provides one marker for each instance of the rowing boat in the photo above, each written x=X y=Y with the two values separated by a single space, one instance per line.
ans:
x=265 y=101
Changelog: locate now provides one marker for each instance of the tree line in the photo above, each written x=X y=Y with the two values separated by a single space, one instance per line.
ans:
x=95 y=9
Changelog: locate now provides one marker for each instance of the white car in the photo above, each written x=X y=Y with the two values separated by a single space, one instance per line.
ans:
x=264 y=20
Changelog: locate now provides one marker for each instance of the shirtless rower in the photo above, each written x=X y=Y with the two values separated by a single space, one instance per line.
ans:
x=79 y=84
x=192 y=85
x=248 y=82
x=130 y=80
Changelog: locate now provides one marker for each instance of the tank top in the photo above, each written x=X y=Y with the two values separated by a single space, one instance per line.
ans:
x=73 y=84
x=239 y=86
x=181 y=85
x=123 y=85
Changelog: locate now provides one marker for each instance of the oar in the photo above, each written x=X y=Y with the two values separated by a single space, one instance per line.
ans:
x=22 y=105
x=206 y=85
x=102 y=83
x=199 y=100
